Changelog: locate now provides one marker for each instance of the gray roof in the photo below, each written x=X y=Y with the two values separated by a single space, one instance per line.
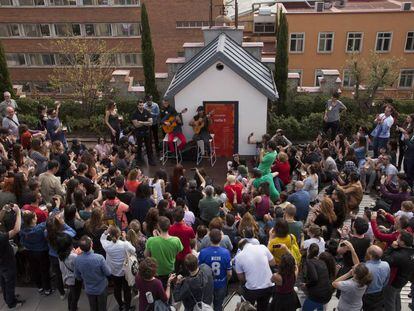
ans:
x=227 y=51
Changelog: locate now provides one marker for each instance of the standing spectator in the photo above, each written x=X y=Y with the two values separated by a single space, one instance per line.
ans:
x=267 y=157
x=197 y=287
x=407 y=126
x=400 y=257
x=154 y=109
x=209 y=206
x=381 y=133
x=149 y=286
x=186 y=235
x=41 y=213
x=311 y=183
x=113 y=122
x=409 y=156
x=32 y=237
x=67 y=255
x=219 y=260
x=315 y=236
x=55 y=129
x=332 y=114
x=301 y=200
x=39 y=155
x=8 y=270
x=115 y=210
x=50 y=185
x=7 y=102
x=11 y=122
x=217 y=223
x=124 y=196
x=352 y=289
x=164 y=249
x=141 y=203
x=285 y=297
x=94 y=228
x=116 y=252
x=233 y=188
x=92 y=269
x=178 y=182
x=58 y=154
x=252 y=265
x=373 y=299
x=137 y=239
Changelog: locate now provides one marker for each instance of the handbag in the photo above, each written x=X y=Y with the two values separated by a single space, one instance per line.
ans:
x=294 y=249
x=131 y=268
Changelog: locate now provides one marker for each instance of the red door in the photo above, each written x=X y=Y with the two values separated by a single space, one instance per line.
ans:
x=223 y=127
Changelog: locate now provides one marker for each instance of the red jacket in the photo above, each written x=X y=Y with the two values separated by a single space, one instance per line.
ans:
x=386 y=237
x=238 y=188
x=283 y=169
x=41 y=215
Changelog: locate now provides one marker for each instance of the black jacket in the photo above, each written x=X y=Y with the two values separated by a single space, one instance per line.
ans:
x=401 y=261
x=317 y=280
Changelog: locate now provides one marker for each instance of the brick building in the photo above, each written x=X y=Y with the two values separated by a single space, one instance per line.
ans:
x=29 y=27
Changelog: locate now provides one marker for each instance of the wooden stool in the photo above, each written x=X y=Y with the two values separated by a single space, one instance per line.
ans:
x=167 y=154
x=201 y=152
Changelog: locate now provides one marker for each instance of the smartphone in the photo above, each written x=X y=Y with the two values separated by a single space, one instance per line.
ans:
x=277 y=246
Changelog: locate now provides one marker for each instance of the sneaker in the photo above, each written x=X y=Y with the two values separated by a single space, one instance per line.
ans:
x=40 y=290
x=62 y=297
x=48 y=292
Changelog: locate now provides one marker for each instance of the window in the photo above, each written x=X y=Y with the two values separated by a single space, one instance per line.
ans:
x=31 y=30
x=26 y=2
x=406 y=78
x=65 y=59
x=45 y=30
x=325 y=42
x=318 y=74
x=348 y=79
x=6 y=2
x=15 y=59
x=409 y=43
x=126 y=30
x=65 y=30
x=354 y=42
x=43 y=87
x=126 y=2
x=39 y=2
x=383 y=42
x=300 y=72
x=48 y=59
x=103 y=30
x=62 y=2
x=264 y=27
x=129 y=59
x=90 y=30
x=9 y=30
x=297 y=42
x=35 y=59
x=191 y=24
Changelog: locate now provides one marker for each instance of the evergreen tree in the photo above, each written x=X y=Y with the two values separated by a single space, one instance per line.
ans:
x=282 y=61
x=5 y=80
x=148 y=56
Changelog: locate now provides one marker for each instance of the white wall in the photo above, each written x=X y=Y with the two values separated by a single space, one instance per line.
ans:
x=226 y=85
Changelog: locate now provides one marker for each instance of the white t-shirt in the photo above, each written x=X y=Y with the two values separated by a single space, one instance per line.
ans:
x=320 y=242
x=403 y=213
x=253 y=261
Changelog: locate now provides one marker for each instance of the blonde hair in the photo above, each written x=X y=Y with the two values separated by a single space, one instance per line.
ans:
x=134 y=232
x=327 y=209
x=407 y=206
x=133 y=174
x=282 y=157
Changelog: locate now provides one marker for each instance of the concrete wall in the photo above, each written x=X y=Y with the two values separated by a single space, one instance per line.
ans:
x=226 y=85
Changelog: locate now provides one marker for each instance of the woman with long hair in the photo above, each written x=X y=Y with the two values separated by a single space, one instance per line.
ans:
x=352 y=286
x=20 y=187
x=137 y=238
x=158 y=184
x=18 y=154
x=285 y=297
x=55 y=225
x=311 y=183
x=132 y=182
x=94 y=227
x=71 y=186
x=280 y=240
x=407 y=126
x=262 y=202
x=112 y=121
x=89 y=159
x=151 y=221
x=325 y=216
x=32 y=237
x=59 y=154
x=73 y=220
x=164 y=210
x=141 y=202
x=67 y=255
x=178 y=182
x=116 y=252
x=340 y=202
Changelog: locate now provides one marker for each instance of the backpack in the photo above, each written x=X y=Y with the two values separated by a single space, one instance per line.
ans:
x=111 y=217
x=131 y=268
x=200 y=305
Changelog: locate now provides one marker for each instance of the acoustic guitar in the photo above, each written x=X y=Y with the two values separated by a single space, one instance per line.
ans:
x=171 y=123
x=199 y=124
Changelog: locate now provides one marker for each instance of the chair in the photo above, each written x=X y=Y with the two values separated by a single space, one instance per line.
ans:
x=201 y=153
x=167 y=154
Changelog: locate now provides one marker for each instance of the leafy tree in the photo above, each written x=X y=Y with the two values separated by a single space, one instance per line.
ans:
x=85 y=70
x=5 y=80
x=148 y=56
x=369 y=75
x=282 y=60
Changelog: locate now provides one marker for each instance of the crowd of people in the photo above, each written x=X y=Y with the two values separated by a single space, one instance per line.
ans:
x=288 y=221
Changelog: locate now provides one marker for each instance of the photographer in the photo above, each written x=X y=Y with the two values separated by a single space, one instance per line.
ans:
x=7 y=259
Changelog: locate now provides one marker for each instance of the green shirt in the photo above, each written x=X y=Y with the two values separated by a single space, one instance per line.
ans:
x=267 y=162
x=274 y=194
x=164 y=252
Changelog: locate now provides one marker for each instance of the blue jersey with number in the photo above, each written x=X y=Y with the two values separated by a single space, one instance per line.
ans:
x=219 y=259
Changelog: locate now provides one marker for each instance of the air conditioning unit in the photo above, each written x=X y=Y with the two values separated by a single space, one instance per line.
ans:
x=319 y=6
x=406 y=6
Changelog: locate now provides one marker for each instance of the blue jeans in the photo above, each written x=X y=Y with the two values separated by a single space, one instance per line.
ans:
x=219 y=295
x=378 y=144
x=310 y=305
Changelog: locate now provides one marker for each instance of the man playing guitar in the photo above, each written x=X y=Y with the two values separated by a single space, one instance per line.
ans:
x=200 y=123
x=172 y=122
